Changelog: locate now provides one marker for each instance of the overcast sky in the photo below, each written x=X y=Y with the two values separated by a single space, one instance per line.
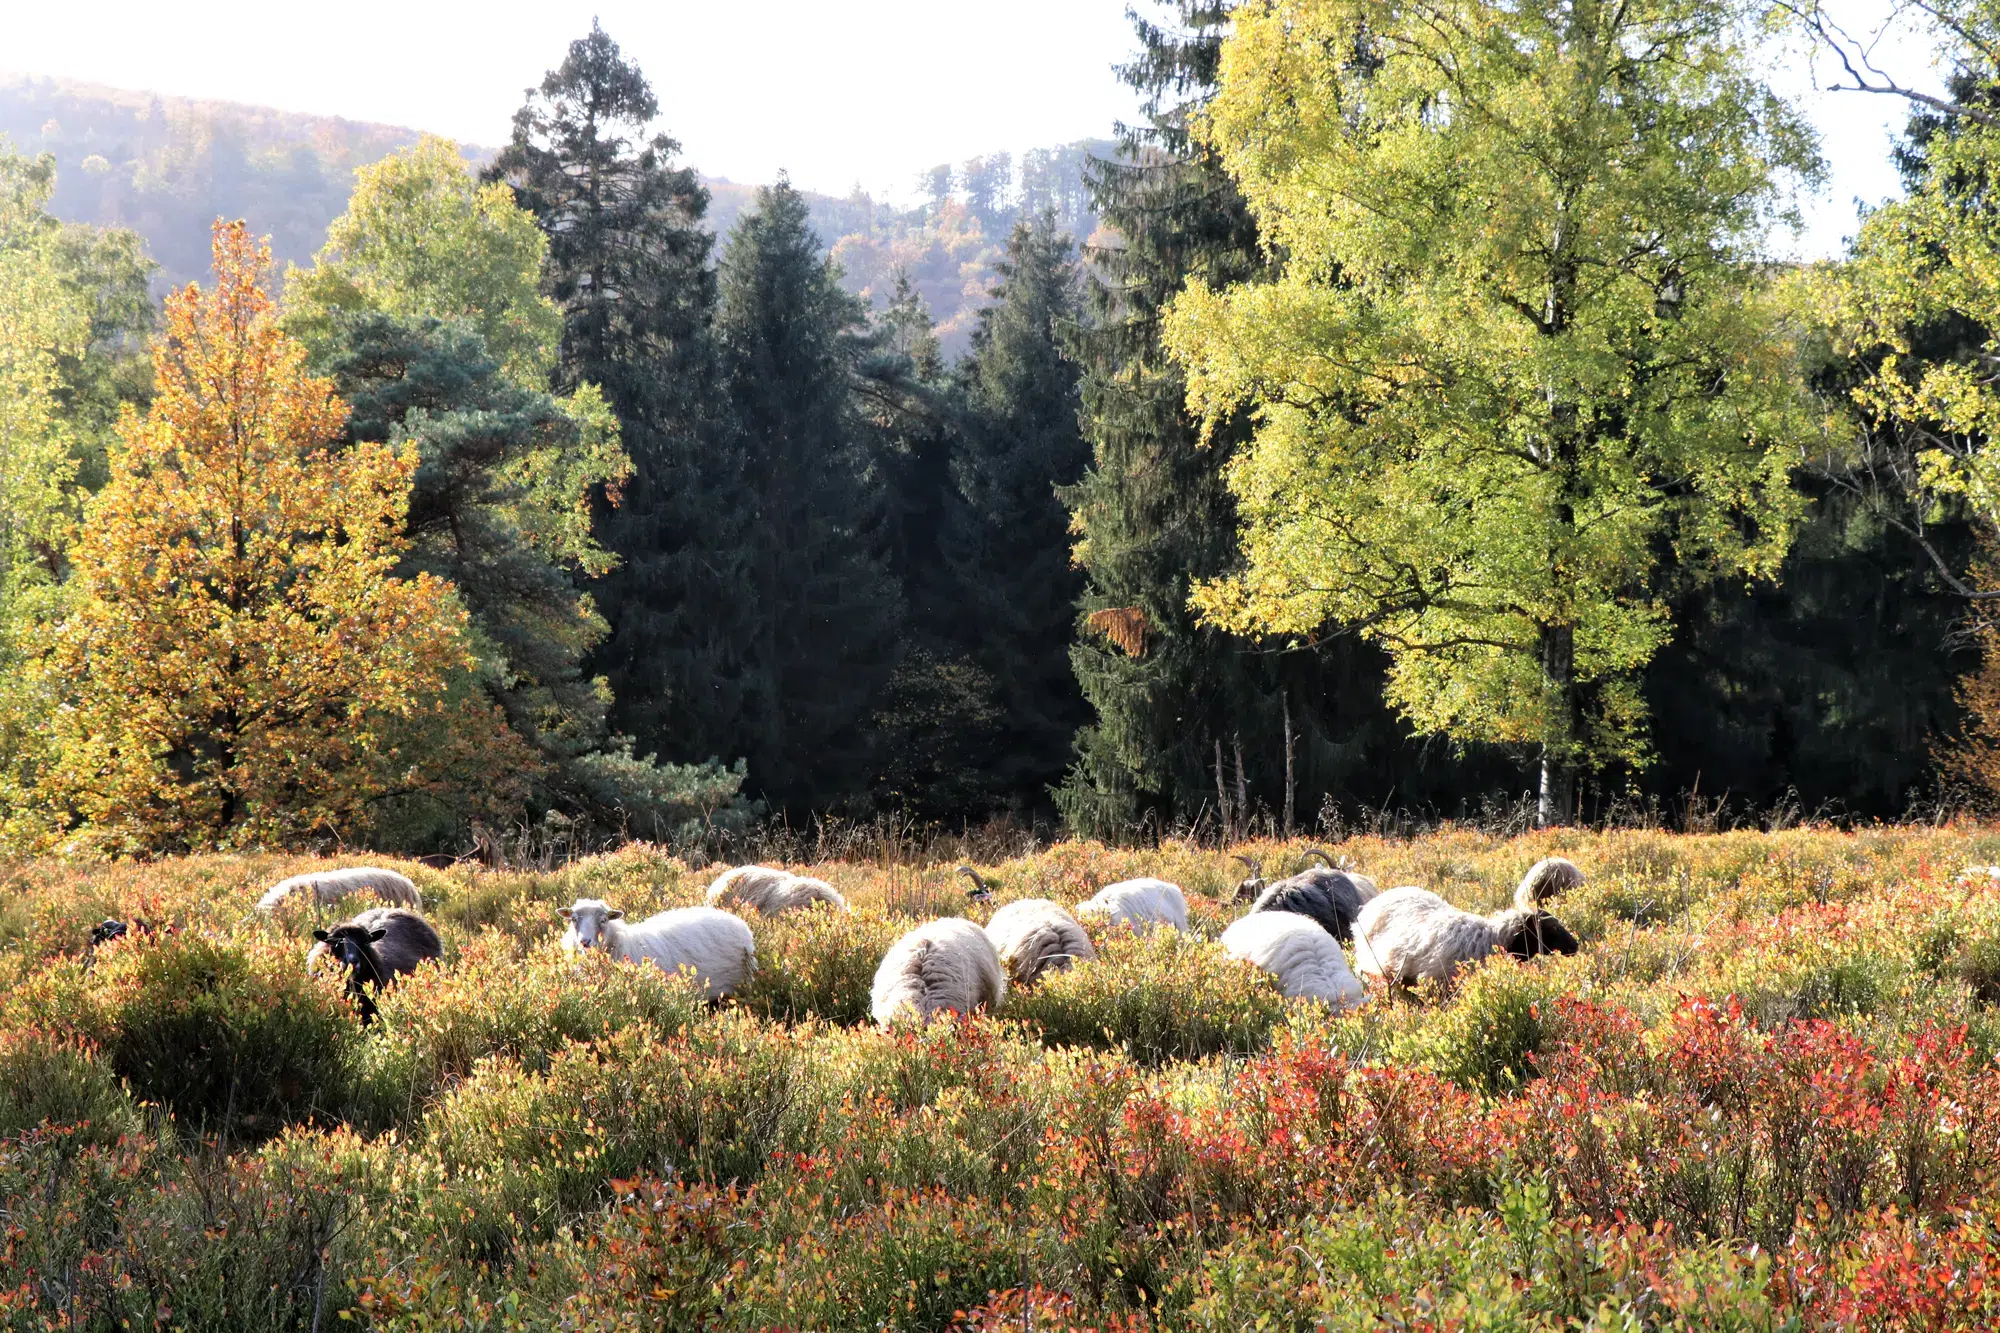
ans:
x=865 y=92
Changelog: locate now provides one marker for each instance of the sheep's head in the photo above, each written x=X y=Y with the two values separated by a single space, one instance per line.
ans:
x=106 y=931
x=980 y=891
x=352 y=946
x=586 y=917
x=1544 y=880
x=1254 y=885
x=1526 y=934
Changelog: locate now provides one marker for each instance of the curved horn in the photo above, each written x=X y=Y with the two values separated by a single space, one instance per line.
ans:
x=1256 y=863
x=978 y=880
x=1323 y=855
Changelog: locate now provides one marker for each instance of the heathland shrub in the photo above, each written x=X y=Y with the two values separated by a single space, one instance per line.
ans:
x=232 y=1036
x=1158 y=996
x=1486 y=1036
x=59 y=1081
x=435 y=1026
x=819 y=963
x=709 y=1104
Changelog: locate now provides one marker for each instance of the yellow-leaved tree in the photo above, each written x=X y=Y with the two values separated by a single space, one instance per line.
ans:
x=238 y=665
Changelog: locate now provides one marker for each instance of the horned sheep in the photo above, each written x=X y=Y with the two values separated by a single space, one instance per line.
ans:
x=770 y=892
x=376 y=947
x=944 y=964
x=714 y=944
x=1303 y=957
x=1035 y=935
x=1409 y=934
x=1140 y=903
x=327 y=886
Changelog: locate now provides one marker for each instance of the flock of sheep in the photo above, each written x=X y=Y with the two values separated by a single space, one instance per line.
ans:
x=1296 y=930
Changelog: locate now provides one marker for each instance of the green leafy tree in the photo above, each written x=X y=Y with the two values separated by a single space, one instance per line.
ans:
x=792 y=345
x=422 y=237
x=1009 y=538
x=628 y=269
x=1549 y=355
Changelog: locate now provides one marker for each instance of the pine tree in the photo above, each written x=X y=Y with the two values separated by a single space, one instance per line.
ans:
x=1009 y=538
x=791 y=343
x=628 y=268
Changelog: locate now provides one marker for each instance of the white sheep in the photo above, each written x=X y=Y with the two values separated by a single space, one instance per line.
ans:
x=332 y=885
x=944 y=964
x=715 y=944
x=770 y=892
x=1305 y=959
x=1141 y=903
x=1035 y=935
x=1410 y=934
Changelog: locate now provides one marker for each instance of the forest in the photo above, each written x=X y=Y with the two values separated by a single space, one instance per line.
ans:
x=668 y=508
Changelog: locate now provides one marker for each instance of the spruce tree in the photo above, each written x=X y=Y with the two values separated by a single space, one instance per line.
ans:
x=1155 y=517
x=628 y=267
x=1010 y=540
x=791 y=344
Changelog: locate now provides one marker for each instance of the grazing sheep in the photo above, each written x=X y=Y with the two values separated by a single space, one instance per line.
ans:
x=1248 y=889
x=106 y=931
x=1409 y=934
x=376 y=947
x=1333 y=898
x=1141 y=903
x=770 y=892
x=945 y=964
x=1035 y=935
x=332 y=885
x=1303 y=957
x=714 y=943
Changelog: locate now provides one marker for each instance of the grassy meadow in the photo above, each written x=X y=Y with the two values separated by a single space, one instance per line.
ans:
x=1763 y=1096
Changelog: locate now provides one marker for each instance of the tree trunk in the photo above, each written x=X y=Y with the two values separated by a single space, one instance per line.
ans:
x=1558 y=748
x=1242 y=791
x=1285 y=702
x=1222 y=794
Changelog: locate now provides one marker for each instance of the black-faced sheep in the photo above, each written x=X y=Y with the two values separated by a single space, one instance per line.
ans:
x=945 y=964
x=770 y=892
x=329 y=886
x=715 y=944
x=1409 y=934
x=1035 y=935
x=1304 y=958
x=1333 y=898
x=980 y=891
x=1141 y=903
x=376 y=947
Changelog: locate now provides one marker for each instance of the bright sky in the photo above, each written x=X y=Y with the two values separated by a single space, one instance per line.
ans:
x=867 y=92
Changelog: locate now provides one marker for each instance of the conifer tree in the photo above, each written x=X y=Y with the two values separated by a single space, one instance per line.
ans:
x=628 y=268
x=791 y=343
x=1009 y=540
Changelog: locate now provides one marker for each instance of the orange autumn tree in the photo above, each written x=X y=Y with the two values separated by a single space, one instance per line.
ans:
x=240 y=665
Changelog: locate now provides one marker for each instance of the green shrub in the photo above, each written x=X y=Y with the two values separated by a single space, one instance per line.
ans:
x=232 y=1037
x=1158 y=996
x=819 y=963
x=48 y=1079
x=1485 y=1037
x=435 y=1026
x=535 y=1150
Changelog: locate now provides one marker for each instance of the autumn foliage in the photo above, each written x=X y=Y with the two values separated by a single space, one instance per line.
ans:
x=239 y=663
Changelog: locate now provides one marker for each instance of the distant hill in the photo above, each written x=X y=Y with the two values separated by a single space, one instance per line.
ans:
x=168 y=166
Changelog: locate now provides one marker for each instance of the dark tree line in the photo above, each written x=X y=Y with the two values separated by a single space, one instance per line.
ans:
x=959 y=590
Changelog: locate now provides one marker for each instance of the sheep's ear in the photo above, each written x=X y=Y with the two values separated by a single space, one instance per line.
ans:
x=375 y=935
x=320 y=935
x=614 y=914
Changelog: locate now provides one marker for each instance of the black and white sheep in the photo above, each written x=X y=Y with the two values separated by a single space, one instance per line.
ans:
x=944 y=964
x=1140 y=903
x=770 y=892
x=980 y=891
x=714 y=944
x=376 y=947
x=1409 y=934
x=1304 y=958
x=1332 y=898
x=1035 y=935
x=327 y=886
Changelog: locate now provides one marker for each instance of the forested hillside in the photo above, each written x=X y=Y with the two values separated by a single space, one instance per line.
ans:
x=166 y=167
